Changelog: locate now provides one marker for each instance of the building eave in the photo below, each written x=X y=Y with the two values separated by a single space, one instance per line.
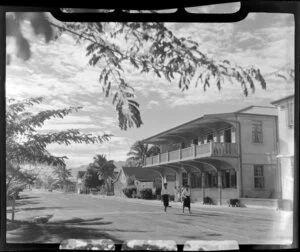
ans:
x=200 y=121
x=282 y=99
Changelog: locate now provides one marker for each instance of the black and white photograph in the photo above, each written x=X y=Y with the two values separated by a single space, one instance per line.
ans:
x=175 y=131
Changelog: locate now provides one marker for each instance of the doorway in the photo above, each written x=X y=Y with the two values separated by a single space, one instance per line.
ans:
x=227 y=136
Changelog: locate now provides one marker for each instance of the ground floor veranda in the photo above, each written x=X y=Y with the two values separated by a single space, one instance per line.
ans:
x=218 y=179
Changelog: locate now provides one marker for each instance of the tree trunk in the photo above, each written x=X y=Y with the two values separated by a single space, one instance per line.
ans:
x=13 y=207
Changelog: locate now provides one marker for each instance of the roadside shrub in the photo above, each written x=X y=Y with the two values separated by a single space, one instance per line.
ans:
x=146 y=193
x=129 y=191
x=234 y=203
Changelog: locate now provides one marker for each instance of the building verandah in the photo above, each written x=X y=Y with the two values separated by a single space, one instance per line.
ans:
x=204 y=153
x=213 y=178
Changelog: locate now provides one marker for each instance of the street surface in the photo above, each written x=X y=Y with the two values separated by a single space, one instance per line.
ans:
x=86 y=217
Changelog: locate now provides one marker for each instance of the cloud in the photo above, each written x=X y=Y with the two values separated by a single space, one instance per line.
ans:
x=79 y=154
x=152 y=104
x=60 y=72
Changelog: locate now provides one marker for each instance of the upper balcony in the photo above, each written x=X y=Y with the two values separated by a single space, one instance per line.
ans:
x=210 y=149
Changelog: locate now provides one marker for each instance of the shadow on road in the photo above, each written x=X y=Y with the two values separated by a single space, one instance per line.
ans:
x=32 y=209
x=203 y=236
x=21 y=203
x=28 y=197
x=54 y=232
x=196 y=214
x=82 y=222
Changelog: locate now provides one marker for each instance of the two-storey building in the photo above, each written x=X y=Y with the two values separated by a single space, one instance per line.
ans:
x=285 y=107
x=221 y=156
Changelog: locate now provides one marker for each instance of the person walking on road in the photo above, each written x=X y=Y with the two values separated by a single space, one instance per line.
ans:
x=186 y=198
x=165 y=196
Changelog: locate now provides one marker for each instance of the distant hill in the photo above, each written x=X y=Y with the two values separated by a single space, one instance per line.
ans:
x=75 y=170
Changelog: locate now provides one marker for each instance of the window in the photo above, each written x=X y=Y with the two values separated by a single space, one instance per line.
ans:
x=257 y=134
x=227 y=136
x=226 y=179
x=208 y=180
x=214 y=179
x=210 y=137
x=196 y=181
x=211 y=180
x=291 y=113
x=195 y=141
x=233 y=179
x=258 y=176
x=184 y=179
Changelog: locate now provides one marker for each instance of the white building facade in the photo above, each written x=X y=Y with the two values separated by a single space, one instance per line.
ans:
x=221 y=156
x=285 y=107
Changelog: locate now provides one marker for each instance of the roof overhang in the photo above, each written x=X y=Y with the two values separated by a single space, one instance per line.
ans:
x=282 y=99
x=191 y=129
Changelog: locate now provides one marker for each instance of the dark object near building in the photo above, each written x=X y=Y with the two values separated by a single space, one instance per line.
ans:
x=129 y=191
x=207 y=200
x=233 y=203
x=146 y=193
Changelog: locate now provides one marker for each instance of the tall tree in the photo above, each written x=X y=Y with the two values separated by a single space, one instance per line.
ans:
x=91 y=178
x=105 y=169
x=26 y=146
x=139 y=151
x=63 y=174
x=151 y=48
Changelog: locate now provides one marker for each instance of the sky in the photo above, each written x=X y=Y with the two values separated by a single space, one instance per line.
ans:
x=59 y=72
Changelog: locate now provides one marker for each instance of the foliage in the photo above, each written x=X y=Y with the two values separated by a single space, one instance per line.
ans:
x=16 y=179
x=146 y=193
x=23 y=142
x=207 y=200
x=152 y=48
x=130 y=180
x=139 y=151
x=63 y=174
x=129 y=191
x=80 y=174
x=26 y=146
x=49 y=182
x=39 y=23
x=101 y=170
x=91 y=178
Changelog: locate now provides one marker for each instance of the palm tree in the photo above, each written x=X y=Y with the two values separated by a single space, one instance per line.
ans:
x=105 y=169
x=138 y=153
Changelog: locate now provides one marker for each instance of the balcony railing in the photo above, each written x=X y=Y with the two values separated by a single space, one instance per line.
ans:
x=196 y=151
